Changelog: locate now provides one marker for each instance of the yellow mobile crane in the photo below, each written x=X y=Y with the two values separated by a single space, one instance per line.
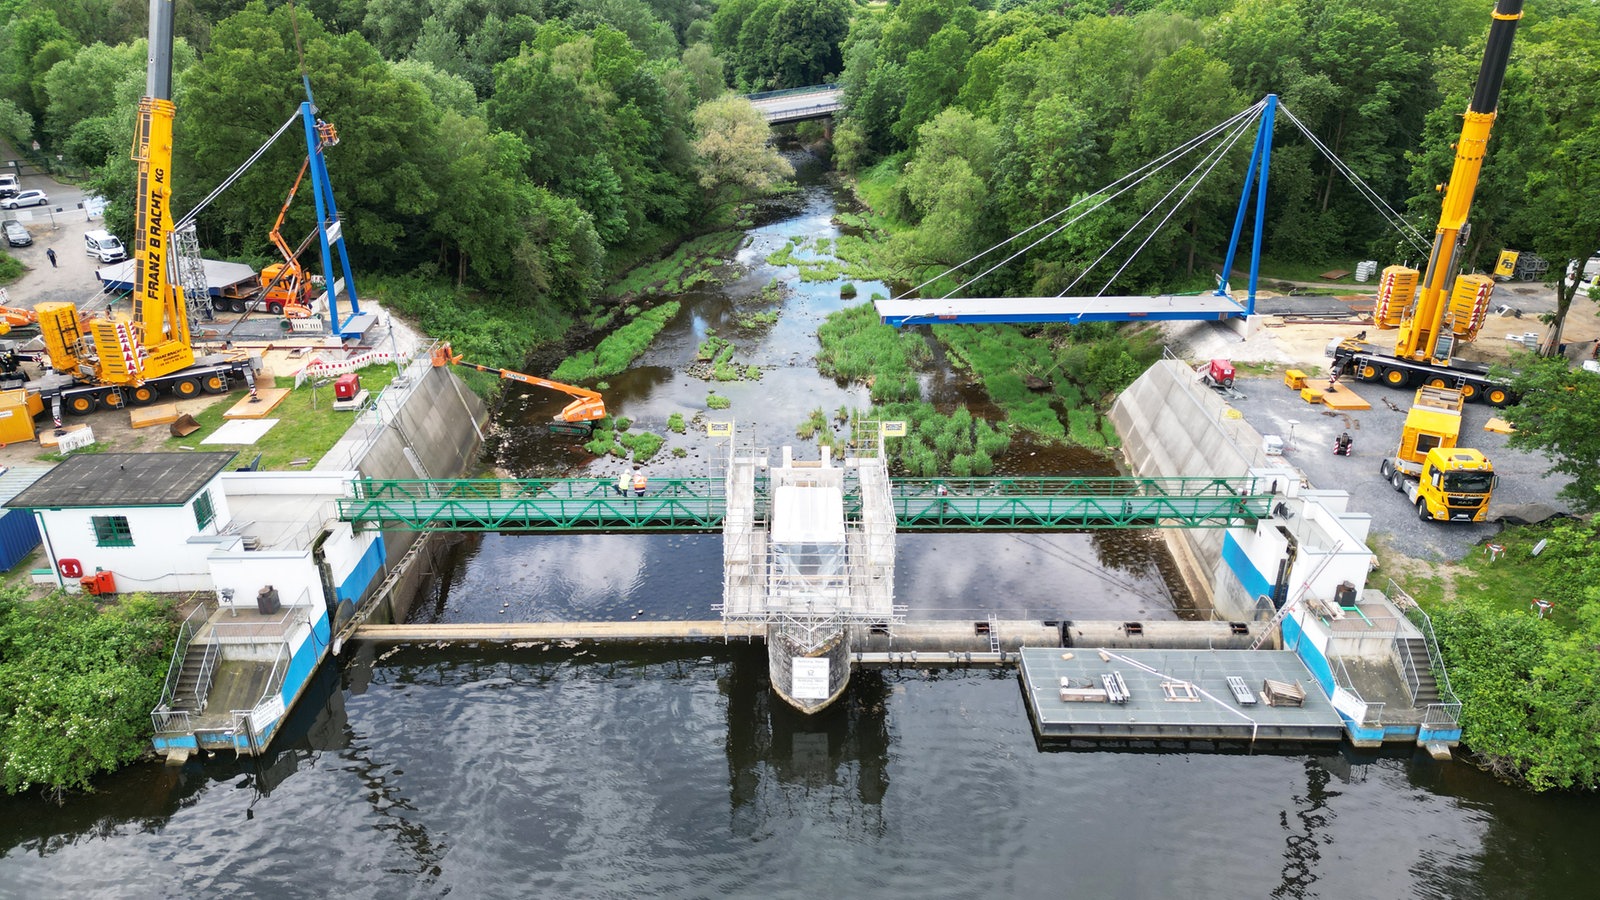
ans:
x=1450 y=309
x=103 y=359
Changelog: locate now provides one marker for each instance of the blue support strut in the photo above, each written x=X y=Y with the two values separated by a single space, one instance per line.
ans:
x=330 y=232
x=1260 y=156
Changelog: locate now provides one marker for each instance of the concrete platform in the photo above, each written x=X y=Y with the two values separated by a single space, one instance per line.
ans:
x=1147 y=715
x=261 y=408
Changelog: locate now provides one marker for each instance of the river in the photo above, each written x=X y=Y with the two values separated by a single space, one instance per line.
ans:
x=550 y=771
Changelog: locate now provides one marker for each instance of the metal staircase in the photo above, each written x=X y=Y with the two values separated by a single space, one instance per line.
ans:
x=1426 y=689
x=195 y=677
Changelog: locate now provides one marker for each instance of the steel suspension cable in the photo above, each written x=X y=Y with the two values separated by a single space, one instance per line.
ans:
x=1213 y=159
x=1152 y=166
x=1408 y=232
x=228 y=182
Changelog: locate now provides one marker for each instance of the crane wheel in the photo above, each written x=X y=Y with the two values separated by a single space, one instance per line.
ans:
x=1367 y=372
x=1385 y=469
x=1398 y=479
x=1469 y=391
x=1436 y=382
x=184 y=388
x=213 y=384
x=1396 y=377
x=113 y=400
x=81 y=404
x=143 y=395
x=1498 y=396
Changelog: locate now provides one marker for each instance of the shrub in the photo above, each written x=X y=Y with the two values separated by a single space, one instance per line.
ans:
x=675 y=423
x=77 y=683
x=644 y=445
x=716 y=401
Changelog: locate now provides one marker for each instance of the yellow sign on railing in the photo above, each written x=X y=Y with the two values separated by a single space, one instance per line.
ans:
x=719 y=429
x=892 y=429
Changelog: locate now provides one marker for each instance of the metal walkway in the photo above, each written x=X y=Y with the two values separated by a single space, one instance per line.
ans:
x=698 y=504
x=797 y=104
x=987 y=311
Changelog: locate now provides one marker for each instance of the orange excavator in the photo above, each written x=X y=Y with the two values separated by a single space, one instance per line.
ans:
x=578 y=417
x=288 y=288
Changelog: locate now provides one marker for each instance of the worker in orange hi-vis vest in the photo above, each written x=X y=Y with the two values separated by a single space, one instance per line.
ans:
x=639 y=484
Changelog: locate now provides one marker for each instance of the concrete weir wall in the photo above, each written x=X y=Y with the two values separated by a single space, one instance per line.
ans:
x=1173 y=425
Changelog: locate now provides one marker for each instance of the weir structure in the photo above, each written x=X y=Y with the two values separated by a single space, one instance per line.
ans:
x=808 y=553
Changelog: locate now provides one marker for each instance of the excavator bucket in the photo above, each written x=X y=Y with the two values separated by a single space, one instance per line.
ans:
x=184 y=426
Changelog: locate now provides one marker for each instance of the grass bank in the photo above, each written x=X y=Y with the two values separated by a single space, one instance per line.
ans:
x=308 y=424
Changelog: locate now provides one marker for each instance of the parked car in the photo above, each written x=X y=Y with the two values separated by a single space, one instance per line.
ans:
x=9 y=185
x=104 y=246
x=26 y=198
x=16 y=235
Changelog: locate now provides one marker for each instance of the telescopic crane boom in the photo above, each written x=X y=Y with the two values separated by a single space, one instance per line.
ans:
x=1449 y=309
x=589 y=407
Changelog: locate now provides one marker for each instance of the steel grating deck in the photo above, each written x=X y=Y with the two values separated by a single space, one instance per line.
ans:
x=698 y=504
x=1149 y=716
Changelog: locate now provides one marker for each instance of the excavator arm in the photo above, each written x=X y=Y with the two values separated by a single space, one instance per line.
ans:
x=587 y=408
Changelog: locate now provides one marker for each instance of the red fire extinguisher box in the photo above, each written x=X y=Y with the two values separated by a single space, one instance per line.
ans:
x=347 y=386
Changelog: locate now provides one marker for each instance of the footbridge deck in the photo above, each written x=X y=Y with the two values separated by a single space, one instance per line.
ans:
x=699 y=504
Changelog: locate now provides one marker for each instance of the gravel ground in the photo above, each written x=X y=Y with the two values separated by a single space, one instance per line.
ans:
x=1269 y=406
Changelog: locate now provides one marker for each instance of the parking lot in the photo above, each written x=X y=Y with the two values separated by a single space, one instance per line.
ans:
x=1308 y=431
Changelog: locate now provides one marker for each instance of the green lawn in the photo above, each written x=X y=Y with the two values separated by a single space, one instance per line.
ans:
x=308 y=425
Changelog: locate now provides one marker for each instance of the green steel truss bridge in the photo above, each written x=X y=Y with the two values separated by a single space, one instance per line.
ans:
x=698 y=504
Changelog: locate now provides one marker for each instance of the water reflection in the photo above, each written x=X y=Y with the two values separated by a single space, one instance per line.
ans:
x=779 y=760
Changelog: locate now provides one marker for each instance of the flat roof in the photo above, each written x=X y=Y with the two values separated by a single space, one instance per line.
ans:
x=802 y=514
x=123 y=479
x=219 y=275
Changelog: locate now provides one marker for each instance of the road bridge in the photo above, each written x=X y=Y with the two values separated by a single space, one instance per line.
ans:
x=700 y=504
x=798 y=104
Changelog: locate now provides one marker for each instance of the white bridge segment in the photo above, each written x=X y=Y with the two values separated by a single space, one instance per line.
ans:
x=983 y=310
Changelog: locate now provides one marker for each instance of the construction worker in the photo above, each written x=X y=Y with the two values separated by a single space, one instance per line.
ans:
x=639 y=484
x=623 y=481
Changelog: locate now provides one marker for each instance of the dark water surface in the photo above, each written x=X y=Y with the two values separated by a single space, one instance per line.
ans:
x=562 y=772
x=499 y=773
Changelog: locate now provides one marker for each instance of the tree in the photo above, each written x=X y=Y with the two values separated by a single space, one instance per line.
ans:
x=934 y=75
x=733 y=149
x=1559 y=415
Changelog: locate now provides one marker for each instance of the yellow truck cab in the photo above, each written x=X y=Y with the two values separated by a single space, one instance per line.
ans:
x=1455 y=486
x=1443 y=481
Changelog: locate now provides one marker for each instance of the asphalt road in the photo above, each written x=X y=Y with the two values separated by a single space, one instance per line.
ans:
x=1270 y=408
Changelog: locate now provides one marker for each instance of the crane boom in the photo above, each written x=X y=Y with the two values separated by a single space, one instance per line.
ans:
x=1421 y=331
x=588 y=407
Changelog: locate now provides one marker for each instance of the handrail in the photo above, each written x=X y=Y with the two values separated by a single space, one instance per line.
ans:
x=186 y=632
x=1408 y=670
x=242 y=632
x=1447 y=712
x=1373 y=715
x=208 y=668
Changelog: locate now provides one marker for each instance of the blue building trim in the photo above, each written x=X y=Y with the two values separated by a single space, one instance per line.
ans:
x=352 y=586
x=1243 y=569
x=1294 y=638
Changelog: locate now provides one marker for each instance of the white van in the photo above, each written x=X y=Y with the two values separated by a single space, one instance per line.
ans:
x=104 y=246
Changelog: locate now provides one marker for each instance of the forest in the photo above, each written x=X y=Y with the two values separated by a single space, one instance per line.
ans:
x=517 y=153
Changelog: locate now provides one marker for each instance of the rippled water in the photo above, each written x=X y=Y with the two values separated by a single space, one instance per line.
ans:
x=672 y=774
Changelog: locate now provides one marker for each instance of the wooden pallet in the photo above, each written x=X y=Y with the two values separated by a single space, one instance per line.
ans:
x=1345 y=398
x=260 y=408
x=160 y=414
